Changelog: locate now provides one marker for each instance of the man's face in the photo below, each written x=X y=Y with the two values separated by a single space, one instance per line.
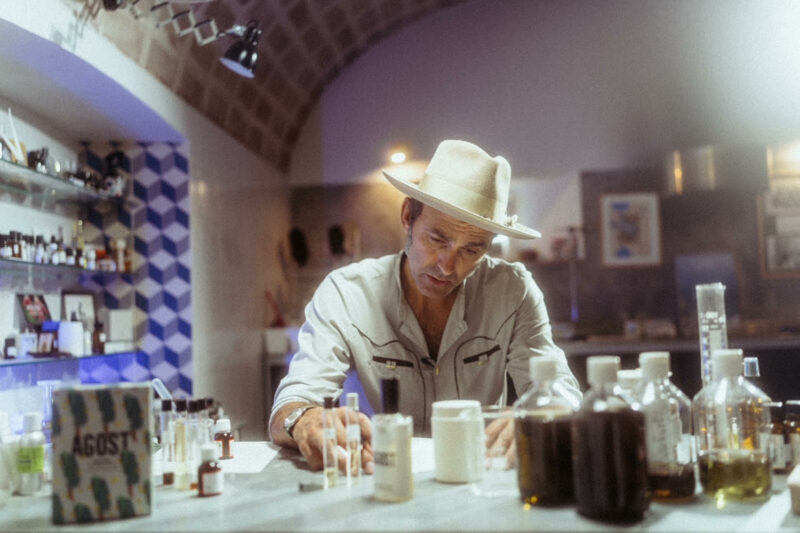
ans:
x=441 y=250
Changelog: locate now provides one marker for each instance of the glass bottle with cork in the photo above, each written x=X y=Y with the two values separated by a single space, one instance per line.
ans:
x=609 y=457
x=732 y=426
x=391 y=445
x=668 y=430
x=542 y=422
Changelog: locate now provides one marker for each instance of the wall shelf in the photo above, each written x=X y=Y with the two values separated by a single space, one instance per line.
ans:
x=44 y=188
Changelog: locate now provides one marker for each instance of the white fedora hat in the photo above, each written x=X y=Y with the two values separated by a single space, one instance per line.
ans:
x=466 y=183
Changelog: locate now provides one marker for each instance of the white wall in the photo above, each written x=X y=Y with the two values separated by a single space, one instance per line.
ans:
x=560 y=86
x=239 y=213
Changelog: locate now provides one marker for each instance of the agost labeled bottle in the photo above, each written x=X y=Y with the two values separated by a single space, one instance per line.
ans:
x=609 y=458
x=391 y=447
x=542 y=422
x=732 y=426
x=668 y=424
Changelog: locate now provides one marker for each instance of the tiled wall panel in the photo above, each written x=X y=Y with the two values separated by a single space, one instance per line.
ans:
x=154 y=219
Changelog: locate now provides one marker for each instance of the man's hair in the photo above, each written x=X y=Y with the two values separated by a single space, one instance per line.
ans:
x=414 y=210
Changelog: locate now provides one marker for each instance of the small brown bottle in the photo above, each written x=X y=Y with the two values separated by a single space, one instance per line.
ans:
x=778 y=456
x=224 y=438
x=210 y=479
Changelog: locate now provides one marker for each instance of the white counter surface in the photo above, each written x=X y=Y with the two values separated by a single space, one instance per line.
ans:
x=269 y=500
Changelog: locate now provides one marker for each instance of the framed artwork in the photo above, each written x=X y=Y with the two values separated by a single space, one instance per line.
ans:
x=82 y=305
x=779 y=233
x=630 y=229
x=34 y=309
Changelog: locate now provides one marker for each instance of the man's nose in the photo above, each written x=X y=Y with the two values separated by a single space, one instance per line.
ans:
x=447 y=261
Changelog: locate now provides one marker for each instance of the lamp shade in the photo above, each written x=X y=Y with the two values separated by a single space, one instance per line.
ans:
x=242 y=55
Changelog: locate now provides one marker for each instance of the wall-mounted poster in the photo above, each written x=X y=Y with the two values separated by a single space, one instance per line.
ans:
x=630 y=229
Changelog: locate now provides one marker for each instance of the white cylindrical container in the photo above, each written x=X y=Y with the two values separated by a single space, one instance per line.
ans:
x=458 y=441
x=70 y=338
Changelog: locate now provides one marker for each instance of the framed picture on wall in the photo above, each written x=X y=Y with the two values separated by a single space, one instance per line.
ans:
x=779 y=233
x=81 y=304
x=630 y=229
x=34 y=309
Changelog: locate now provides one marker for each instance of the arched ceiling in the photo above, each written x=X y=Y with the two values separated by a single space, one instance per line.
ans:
x=304 y=45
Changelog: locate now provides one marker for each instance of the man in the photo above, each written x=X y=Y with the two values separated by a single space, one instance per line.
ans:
x=445 y=319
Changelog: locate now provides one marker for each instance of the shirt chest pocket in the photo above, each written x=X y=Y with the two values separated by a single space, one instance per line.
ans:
x=480 y=368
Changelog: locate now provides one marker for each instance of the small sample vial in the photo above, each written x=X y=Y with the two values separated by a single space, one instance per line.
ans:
x=353 y=432
x=167 y=426
x=223 y=438
x=792 y=426
x=210 y=479
x=330 y=469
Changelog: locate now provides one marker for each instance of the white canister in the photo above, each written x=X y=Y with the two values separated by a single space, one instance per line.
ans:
x=458 y=441
x=70 y=338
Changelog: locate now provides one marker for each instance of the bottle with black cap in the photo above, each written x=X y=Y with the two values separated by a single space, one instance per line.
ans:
x=391 y=445
x=330 y=446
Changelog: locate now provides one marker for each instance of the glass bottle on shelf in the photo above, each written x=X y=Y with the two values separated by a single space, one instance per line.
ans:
x=732 y=421
x=542 y=431
x=668 y=430
x=792 y=427
x=609 y=457
x=777 y=436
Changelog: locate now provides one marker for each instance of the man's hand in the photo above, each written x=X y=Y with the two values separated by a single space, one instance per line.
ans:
x=307 y=435
x=500 y=440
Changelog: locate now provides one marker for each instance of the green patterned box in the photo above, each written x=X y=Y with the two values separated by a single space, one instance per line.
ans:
x=101 y=452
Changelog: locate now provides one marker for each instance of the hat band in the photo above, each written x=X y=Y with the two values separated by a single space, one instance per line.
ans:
x=463 y=198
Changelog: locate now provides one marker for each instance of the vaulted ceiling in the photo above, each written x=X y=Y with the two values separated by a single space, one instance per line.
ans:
x=304 y=45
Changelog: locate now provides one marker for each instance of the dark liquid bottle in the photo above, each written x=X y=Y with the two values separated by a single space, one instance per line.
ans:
x=545 y=460
x=609 y=458
x=542 y=418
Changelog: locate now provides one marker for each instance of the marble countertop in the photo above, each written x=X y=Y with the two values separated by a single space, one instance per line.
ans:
x=269 y=499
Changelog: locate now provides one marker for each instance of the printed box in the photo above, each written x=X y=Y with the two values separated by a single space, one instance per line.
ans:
x=101 y=452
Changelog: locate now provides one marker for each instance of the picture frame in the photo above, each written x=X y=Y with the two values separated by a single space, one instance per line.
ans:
x=45 y=342
x=34 y=309
x=630 y=228
x=80 y=303
x=779 y=234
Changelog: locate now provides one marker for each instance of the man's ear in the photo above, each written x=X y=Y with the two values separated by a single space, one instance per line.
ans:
x=405 y=214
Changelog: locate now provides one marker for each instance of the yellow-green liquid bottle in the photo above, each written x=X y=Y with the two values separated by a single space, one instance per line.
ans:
x=732 y=428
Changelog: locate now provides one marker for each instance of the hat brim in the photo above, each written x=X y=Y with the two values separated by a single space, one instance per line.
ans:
x=514 y=229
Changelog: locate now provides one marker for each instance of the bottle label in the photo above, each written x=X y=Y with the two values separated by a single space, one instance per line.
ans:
x=353 y=432
x=30 y=460
x=213 y=483
x=662 y=440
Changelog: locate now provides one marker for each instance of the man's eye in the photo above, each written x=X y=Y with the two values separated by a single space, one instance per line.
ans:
x=436 y=239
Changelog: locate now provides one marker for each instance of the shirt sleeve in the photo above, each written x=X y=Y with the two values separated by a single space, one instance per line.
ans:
x=532 y=337
x=320 y=366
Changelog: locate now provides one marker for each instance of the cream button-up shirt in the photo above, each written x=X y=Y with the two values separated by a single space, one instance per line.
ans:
x=359 y=319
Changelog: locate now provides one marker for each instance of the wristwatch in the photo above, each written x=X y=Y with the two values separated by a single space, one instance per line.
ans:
x=294 y=417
